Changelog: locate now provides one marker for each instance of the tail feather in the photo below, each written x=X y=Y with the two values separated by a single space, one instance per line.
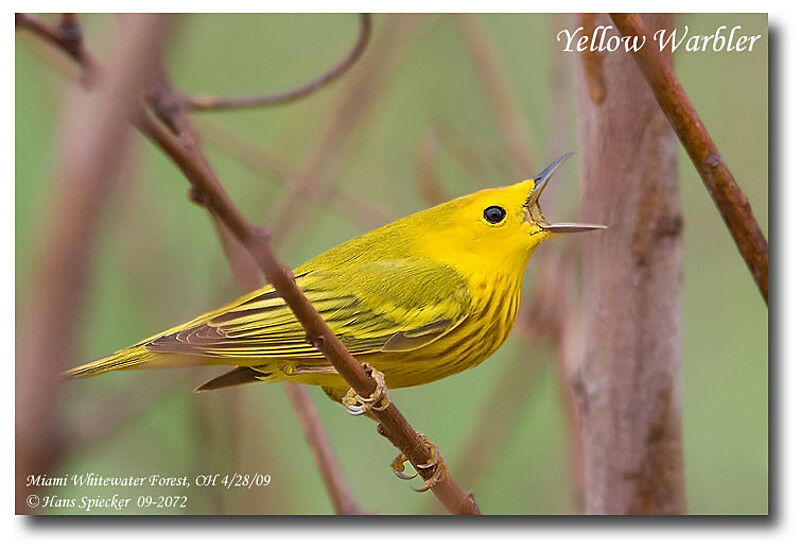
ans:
x=233 y=378
x=133 y=357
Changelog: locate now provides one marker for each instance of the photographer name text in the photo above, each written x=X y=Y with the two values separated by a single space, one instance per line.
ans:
x=606 y=39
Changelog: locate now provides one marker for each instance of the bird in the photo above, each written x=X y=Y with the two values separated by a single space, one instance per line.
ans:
x=422 y=298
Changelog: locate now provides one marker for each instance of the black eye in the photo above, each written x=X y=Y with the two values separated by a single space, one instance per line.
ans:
x=494 y=214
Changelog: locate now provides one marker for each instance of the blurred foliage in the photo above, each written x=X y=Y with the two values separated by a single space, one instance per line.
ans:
x=158 y=262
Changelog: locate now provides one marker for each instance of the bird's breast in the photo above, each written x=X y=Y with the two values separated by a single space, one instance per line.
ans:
x=495 y=303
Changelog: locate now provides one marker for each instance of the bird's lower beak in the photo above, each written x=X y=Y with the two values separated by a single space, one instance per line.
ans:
x=571 y=227
x=536 y=215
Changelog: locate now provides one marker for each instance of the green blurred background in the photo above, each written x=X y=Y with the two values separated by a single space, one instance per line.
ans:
x=158 y=261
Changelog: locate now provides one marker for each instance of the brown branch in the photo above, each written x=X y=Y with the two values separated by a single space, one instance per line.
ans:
x=66 y=37
x=95 y=139
x=357 y=375
x=210 y=103
x=548 y=303
x=719 y=181
x=244 y=269
x=248 y=275
x=393 y=424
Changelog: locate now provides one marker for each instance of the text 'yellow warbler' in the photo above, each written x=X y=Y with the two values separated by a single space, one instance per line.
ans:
x=420 y=299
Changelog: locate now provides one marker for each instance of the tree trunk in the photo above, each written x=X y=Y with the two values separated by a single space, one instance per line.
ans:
x=627 y=376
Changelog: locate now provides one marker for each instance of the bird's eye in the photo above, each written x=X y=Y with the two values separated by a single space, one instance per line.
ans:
x=494 y=214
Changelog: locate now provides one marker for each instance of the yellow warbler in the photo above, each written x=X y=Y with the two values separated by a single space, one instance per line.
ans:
x=420 y=299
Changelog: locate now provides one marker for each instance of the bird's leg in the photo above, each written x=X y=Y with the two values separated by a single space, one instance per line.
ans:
x=436 y=461
x=377 y=401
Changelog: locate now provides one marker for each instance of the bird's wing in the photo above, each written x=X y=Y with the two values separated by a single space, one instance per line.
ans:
x=392 y=305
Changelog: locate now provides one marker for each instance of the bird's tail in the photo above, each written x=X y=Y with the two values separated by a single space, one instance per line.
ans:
x=133 y=357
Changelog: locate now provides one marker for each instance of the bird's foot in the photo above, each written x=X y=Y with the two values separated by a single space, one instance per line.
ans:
x=377 y=401
x=435 y=462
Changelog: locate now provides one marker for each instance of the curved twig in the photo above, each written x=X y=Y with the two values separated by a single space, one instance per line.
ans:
x=213 y=103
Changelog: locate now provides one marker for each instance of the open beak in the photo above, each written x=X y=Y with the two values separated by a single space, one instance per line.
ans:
x=532 y=203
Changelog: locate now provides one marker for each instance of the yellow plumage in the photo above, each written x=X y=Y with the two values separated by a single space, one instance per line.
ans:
x=420 y=299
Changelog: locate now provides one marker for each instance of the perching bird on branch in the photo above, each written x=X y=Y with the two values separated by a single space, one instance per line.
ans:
x=422 y=298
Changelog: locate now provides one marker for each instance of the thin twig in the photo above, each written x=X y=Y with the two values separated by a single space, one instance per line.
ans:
x=719 y=181
x=211 y=103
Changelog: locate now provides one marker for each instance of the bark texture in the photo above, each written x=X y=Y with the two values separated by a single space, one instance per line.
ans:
x=627 y=376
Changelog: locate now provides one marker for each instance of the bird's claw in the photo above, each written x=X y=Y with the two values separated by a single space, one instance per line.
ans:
x=436 y=461
x=377 y=401
x=398 y=465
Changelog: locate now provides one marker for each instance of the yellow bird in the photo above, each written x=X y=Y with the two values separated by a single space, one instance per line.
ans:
x=422 y=298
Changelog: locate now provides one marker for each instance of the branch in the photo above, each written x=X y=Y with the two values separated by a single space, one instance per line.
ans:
x=550 y=301
x=247 y=274
x=394 y=425
x=719 y=181
x=627 y=363
x=66 y=37
x=95 y=139
x=210 y=103
x=244 y=269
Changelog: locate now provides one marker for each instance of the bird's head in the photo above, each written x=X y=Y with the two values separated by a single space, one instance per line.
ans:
x=502 y=224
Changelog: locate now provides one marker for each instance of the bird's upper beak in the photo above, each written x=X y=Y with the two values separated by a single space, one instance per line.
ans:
x=535 y=212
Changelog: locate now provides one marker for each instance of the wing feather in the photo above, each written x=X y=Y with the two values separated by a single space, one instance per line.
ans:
x=394 y=305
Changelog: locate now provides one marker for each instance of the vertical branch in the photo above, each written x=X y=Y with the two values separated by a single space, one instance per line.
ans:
x=627 y=377
x=94 y=140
